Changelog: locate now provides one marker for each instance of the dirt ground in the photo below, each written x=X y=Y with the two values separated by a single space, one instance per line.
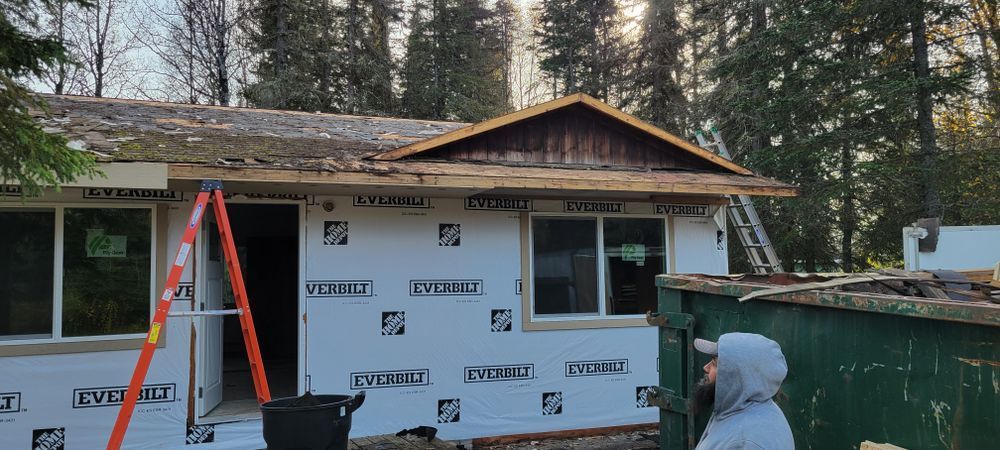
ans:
x=634 y=440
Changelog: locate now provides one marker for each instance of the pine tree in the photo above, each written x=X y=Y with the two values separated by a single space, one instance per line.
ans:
x=368 y=67
x=424 y=92
x=656 y=88
x=453 y=68
x=507 y=24
x=294 y=54
x=582 y=47
x=31 y=157
x=824 y=94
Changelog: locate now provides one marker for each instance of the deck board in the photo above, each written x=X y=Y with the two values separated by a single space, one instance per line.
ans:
x=393 y=442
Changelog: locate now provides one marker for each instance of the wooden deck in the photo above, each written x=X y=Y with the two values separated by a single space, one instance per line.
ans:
x=392 y=442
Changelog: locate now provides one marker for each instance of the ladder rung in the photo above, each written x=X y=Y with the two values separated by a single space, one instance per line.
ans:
x=215 y=312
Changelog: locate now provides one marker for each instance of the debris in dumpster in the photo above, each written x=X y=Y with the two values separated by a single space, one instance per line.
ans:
x=966 y=286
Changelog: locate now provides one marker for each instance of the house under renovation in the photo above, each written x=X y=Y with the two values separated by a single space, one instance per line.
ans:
x=485 y=279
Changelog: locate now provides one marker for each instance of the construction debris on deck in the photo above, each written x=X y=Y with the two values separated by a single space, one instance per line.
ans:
x=392 y=442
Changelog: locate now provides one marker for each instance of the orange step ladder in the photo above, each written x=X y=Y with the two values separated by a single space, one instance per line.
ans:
x=210 y=189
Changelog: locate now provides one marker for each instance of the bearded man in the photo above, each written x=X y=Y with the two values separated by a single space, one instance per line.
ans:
x=740 y=383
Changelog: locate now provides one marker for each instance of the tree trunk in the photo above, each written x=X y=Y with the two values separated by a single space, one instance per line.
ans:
x=354 y=39
x=925 y=112
x=221 y=52
x=993 y=97
x=280 y=47
x=848 y=211
x=192 y=37
x=60 y=13
x=759 y=139
x=98 y=55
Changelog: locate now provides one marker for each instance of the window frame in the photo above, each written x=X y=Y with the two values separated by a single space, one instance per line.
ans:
x=534 y=322
x=57 y=276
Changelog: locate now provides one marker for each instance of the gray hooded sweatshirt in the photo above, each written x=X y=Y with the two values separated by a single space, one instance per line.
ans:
x=750 y=371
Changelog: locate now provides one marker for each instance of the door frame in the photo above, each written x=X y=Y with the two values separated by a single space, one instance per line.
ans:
x=198 y=346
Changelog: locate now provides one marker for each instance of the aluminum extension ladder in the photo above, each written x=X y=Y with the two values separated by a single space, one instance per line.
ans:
x=743 y=216
x=211 y=188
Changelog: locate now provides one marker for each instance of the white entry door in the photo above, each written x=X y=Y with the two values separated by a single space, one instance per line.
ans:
x=211 y=267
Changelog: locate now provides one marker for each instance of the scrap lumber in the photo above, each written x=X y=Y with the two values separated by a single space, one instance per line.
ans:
x=868 y=445
x=862 y=278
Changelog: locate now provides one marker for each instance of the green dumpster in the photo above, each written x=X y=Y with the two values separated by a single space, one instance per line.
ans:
x=915 y=372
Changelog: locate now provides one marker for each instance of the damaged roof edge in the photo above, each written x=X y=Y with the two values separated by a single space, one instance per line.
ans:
x=680 y=183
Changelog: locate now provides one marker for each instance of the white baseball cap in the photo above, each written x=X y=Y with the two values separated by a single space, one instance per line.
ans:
x=708 y=347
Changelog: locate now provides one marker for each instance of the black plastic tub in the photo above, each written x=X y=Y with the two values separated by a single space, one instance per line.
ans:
x=313 y=422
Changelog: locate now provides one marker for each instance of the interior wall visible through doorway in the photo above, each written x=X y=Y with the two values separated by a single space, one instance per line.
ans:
x=267 y=243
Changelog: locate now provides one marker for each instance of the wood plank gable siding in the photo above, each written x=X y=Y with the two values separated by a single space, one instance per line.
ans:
x=571 y=135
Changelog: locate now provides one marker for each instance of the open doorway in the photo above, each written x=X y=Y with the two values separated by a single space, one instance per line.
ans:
x=267 y=243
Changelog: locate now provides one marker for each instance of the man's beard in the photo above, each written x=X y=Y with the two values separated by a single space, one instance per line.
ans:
x=704 y=396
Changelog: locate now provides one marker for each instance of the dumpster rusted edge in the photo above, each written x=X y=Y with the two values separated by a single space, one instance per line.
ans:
x=954 y=311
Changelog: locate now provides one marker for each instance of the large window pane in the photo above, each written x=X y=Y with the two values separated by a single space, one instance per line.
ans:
x=565 y=265
x=27 y=250
x=634 y=255
x=106 y=265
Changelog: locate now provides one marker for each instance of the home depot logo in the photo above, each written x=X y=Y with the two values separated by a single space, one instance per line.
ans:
x=10 y=402
x=200 y=434
x=552 y=403
x=449 y=235
x=595 y=368
x=445 y=287
x=48 y=439
x=449 y=410
x=390 y=379
x=393 y=323
x=501 y=320
x=334 y=232
x=115 y=395
x=642 y=395
x=385 y=201
x=497 y=204
x=339 y=288
x=485 y=374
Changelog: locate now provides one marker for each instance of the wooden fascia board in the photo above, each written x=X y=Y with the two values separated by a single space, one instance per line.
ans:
x=478 y=128
x=592 y=103
x=257 y=175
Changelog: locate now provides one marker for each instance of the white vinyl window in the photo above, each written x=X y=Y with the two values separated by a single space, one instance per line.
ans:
x=595 y=267
x=75 y=272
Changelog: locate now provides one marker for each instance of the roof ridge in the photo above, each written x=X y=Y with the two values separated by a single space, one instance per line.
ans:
x=161 y=104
